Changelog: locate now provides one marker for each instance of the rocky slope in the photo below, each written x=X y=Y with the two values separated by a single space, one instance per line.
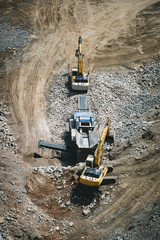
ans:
x=40 y=197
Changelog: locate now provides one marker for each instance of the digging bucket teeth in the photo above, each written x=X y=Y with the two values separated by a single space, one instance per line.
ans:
x=110 y=138
x=110 y=168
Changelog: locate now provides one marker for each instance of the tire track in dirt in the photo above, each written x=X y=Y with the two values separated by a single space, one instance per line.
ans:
x=139 y=193
x=55 y=49
x=120 y=213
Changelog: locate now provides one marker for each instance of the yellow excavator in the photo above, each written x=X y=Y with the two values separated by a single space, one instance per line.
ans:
x=94 y=173
x=79 y=80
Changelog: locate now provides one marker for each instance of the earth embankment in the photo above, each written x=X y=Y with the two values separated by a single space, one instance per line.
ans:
x=112 y=32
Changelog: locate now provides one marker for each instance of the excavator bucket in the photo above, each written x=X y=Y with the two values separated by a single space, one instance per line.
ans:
x=110 y=138
x=110 y=168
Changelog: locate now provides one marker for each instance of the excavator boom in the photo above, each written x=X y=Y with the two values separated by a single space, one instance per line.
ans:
x=104 y=135
x=80 y=57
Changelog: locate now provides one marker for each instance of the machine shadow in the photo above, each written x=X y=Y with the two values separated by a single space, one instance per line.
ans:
x=84 y=196
x=68 y=158
x=67 y=83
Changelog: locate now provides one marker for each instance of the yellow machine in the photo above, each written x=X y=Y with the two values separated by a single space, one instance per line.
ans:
x=94 y=173
x=79 y=80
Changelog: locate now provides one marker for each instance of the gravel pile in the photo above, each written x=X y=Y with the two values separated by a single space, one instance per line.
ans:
x=12 y=37
x=123 y=97
x=7 y=140
x=56 y=170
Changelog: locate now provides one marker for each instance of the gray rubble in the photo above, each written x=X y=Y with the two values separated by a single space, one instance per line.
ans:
x=123 y=97
x=56 y=170
x=12 y=37
x=7 y=140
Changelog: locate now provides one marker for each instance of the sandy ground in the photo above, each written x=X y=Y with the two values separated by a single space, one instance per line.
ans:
x=111 y=33
x=117 y=35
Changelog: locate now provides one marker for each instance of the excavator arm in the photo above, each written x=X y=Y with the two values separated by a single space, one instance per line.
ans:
x=105 y=133
x=80 y=56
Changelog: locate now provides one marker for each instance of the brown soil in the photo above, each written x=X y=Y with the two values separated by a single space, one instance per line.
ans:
x=117 y=35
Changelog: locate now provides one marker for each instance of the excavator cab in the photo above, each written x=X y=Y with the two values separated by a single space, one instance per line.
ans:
x=74 y=71
x=90 y=161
